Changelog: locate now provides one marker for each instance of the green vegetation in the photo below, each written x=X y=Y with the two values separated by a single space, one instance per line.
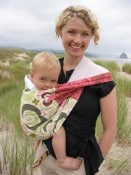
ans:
x=6 y=54
x=16 y=145
x=17 y=153
x=127 y=68
x=110 y=65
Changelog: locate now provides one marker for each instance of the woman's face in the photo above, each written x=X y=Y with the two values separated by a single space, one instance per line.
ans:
x=76 y=37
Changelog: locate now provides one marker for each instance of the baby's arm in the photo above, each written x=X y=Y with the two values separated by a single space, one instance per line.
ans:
x=36 y=144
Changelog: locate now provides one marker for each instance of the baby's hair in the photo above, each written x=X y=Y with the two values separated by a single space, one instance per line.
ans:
x=81 y=12
x=45 y=60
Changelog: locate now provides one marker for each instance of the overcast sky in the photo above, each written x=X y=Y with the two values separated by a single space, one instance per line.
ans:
x=30 y=24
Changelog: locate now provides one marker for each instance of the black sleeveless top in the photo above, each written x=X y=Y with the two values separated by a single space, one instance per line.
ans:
x=81 y=122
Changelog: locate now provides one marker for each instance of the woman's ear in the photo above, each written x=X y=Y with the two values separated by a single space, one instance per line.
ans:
x=59 y=34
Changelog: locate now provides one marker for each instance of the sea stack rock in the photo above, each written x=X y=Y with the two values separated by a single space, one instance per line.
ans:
x=123 y=56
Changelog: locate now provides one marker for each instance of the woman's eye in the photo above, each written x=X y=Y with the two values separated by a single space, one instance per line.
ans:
x=71 y=32
x=85 y=34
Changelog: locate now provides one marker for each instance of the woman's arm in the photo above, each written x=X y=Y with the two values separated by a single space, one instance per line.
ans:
x=109 y=121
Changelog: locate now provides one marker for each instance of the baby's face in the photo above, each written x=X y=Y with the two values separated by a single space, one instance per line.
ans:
x=45 y=79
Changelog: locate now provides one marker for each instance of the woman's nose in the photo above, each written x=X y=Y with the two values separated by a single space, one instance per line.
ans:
x=77 y=38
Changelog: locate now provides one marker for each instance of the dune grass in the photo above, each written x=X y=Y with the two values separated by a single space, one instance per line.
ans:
x=17 y=153
x=126 y=68
x=6 y=54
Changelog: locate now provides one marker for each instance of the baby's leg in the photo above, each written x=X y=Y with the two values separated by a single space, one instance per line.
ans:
x=59 y=146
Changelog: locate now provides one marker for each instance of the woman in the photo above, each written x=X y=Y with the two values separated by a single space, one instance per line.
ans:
x=76 y=27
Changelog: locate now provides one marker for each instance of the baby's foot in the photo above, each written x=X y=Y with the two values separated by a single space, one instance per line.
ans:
x=70 y=163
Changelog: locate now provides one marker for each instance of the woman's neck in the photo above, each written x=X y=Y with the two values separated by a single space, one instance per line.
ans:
x=70 y=62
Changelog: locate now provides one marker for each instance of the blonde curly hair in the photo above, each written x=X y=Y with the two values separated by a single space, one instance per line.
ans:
x=44 y=60
x=80 y=12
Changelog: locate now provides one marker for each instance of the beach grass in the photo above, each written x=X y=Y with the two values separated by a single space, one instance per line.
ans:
x=126 y=68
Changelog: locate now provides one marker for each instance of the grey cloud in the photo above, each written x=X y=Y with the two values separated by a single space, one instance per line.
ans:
x=31 y=24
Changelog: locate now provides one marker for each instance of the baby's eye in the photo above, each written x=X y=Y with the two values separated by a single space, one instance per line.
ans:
x=42 y=79
x=54 y=81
